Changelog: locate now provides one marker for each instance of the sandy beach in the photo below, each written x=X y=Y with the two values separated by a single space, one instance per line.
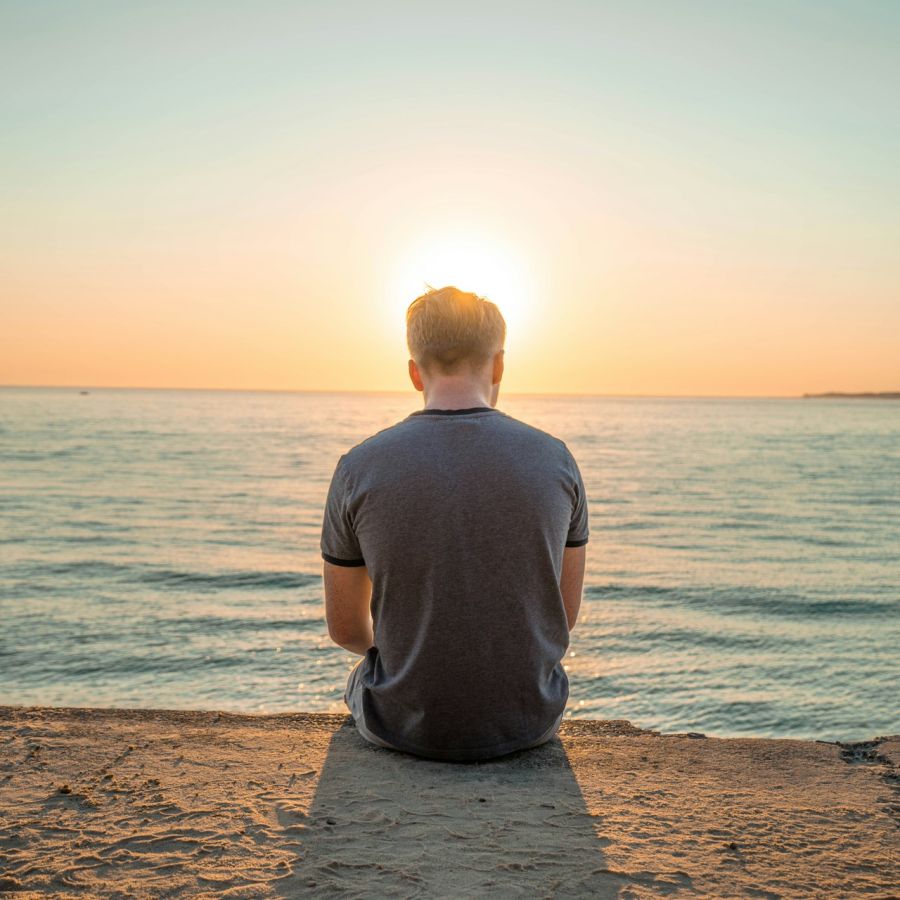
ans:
x=137 y=803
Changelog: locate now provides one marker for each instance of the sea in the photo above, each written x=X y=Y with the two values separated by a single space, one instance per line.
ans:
x=160 y=549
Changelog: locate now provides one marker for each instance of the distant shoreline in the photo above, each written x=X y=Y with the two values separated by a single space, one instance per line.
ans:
x=835 y=395
x=86 y=389
x=396 y=392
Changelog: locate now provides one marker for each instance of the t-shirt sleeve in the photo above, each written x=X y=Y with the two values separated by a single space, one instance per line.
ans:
x=339 y=543
x=578 y=527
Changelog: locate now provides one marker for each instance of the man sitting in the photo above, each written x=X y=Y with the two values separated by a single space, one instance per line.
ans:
x=463 y=532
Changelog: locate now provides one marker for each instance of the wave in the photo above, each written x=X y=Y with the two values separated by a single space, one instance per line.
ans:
x=235 y=579
x=747 y=600
x=25 y=455
x=243 y=625
x=171 y=579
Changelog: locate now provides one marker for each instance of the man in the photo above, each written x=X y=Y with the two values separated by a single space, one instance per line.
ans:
x=464 y=531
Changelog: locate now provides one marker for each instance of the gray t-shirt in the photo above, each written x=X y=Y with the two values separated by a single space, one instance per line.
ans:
x=461 y=517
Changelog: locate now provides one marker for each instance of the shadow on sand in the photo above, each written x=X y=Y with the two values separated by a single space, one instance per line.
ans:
x=385 y=823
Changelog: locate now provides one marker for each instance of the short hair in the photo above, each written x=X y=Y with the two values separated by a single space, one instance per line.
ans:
x=448 y=329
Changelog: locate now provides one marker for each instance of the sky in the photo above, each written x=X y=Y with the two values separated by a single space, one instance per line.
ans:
x=663 y=198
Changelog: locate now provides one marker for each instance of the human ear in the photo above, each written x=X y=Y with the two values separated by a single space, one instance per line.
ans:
x=497 y=373
x=415 y=376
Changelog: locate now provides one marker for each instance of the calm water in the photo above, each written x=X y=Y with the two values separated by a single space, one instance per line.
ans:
x=160 y=549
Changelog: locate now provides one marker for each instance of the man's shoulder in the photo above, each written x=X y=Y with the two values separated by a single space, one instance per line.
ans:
x=527 y=431
x=383 y=440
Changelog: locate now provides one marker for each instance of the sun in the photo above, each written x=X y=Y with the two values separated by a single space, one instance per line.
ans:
x=483 y=265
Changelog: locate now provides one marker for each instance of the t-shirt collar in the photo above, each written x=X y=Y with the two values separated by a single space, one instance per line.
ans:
x=452 y=412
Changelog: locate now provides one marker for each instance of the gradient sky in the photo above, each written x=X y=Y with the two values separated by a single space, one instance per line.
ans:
x=664 y=198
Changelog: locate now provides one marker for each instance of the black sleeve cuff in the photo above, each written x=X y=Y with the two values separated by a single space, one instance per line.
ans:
x=342 y=562
x=580 y=543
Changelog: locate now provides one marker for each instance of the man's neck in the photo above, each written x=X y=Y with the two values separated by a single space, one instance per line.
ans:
x=456 y=394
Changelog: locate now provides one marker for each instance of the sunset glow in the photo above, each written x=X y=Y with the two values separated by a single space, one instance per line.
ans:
x=471 y=262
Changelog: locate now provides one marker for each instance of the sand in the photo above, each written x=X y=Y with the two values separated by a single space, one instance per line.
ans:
x=137 y=803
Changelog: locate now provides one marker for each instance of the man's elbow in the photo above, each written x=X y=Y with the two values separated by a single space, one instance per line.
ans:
x=340 y=634
x=358 y=644
x=355 y=638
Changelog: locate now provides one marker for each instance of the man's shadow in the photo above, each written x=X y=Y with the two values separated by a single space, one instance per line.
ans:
x=385 y=823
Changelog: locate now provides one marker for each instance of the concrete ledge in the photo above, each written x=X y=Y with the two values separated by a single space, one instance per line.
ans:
x=145 y=802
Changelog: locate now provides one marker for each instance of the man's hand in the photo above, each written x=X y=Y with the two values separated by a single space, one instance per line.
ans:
x=348 y=595
x=572 y=581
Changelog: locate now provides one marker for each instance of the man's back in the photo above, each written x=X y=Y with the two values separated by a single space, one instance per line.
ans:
x=461 y=517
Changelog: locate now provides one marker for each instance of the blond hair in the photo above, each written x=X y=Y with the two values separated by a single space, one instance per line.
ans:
x=448 y=329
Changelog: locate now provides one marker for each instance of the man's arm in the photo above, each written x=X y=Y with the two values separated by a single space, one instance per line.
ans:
x=571 y=582
x=348 y=595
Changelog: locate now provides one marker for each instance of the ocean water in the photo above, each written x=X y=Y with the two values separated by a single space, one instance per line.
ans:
x=160 y=549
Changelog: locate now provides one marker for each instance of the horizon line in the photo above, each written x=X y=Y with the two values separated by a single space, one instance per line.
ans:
x=233 y=390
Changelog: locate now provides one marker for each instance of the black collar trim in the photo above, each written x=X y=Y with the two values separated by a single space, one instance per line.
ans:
x=452 y=412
